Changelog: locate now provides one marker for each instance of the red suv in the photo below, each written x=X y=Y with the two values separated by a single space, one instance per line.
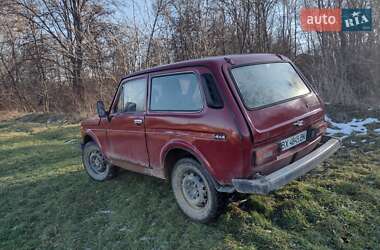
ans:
x=240 y=123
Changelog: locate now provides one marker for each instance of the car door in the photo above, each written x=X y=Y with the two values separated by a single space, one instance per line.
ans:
x=126 y=131
x=175 y=111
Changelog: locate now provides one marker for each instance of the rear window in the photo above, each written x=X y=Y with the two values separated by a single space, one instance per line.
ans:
x=264 y=84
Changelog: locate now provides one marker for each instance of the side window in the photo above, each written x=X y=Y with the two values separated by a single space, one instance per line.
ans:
x=132 y=96
x=213 y=98
x=179 y=92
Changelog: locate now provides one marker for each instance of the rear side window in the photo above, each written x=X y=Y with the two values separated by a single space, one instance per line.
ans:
x=179 y=92
x=264 y=84
x=213 y=98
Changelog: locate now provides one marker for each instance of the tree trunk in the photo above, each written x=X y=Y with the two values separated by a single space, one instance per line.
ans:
x=78 y=88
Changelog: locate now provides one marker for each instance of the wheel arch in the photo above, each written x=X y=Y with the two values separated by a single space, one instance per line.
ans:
x=87 y=138
x=174 y=151
x=91 y=136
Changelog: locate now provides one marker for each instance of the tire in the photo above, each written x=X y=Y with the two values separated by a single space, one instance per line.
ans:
x=195 y=192
x=95 y=164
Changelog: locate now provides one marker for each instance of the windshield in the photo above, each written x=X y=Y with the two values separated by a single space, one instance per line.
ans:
x=264 y=84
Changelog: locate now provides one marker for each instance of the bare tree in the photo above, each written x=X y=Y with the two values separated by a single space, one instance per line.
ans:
x=62 y=55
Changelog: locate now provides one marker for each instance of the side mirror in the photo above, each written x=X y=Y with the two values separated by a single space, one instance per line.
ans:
x=130 y=107
x=100 y=109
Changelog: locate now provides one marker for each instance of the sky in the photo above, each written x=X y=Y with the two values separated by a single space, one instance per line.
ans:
x=124 y=10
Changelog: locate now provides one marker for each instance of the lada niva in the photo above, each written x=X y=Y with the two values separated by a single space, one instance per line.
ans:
x=219 y=125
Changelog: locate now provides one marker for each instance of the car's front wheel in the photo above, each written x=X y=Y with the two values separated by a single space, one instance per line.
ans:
x=95 y=164
x=195 y=192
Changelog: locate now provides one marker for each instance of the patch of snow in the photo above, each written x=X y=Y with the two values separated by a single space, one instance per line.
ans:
x=354 y=126
x=377 y=130
x=105 y=211
x=146 y=238
x=72 y=141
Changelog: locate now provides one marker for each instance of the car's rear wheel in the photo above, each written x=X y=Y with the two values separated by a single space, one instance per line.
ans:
x=95 y=164
x=195 y=192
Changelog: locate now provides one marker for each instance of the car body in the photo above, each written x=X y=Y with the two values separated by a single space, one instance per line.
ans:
x=207 y=110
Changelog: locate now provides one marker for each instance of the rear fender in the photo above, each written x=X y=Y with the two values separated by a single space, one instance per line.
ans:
x=179 y=144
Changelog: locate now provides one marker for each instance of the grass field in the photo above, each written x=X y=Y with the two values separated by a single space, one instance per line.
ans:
x=47 y=201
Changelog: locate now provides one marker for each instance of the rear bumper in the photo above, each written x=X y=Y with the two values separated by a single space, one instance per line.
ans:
x=281 y=177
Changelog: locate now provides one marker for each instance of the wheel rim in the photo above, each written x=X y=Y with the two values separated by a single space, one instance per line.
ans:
x=194 y=190
x=96 y=162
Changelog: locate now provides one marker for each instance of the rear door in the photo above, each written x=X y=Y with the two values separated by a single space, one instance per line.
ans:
x=126 y=133
x=276 y=101
x=285 y=119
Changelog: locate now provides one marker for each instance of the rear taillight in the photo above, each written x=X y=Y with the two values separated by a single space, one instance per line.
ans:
x=318 y=129
x=322 y=128
x=266 y=154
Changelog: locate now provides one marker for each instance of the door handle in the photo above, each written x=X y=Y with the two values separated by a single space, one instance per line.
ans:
x=138 y=121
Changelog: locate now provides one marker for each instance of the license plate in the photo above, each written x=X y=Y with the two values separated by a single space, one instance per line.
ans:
x=293 y=141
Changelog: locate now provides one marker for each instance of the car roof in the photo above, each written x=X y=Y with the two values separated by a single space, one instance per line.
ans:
x=231 y=59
